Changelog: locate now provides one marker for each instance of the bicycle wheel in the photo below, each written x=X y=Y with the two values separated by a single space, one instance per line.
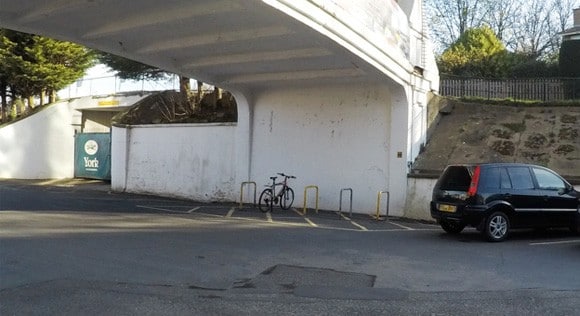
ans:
x=265 y=201
x=287 y=198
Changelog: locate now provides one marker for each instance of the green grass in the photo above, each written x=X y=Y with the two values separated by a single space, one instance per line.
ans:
x=514 y=102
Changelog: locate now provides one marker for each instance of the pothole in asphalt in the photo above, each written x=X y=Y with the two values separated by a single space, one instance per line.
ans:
x=286 y=278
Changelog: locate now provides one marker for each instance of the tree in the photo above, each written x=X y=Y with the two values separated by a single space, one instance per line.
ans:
x=449 y=19
x=130 y=69
x=32 y=65
x=524 y=26
x=60 y=64
x=477 y=52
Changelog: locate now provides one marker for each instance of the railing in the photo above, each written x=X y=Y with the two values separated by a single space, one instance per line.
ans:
x=113 y=84
x=541 y=89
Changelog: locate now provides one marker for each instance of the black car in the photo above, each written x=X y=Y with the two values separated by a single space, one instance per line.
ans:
x=496 y=197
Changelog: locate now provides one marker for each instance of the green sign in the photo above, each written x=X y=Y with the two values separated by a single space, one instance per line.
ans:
x=93 y=156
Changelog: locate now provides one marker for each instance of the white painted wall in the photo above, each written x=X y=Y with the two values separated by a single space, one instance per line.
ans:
x=40 y=146
x=334 y=137
x=193 y=161
x=419 y=191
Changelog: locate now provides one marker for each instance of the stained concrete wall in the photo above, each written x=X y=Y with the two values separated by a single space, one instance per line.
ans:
x=334 y=137
x=419 y=191
x=40 y=146
x=193 y=161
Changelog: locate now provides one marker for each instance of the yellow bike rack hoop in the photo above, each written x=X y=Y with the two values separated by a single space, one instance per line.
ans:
x=305 y=196
x=380 y=194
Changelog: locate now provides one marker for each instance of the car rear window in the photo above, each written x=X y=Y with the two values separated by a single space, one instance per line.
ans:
x=455 y=178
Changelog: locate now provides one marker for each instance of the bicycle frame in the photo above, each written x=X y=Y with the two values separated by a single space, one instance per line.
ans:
x=274 y=196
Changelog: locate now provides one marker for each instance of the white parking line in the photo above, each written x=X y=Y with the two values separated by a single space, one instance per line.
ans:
x=358 y=225
x=361 y=227
x=402 y=226
x=159 y=209
x=193 y=209
x=297 y=212
x=269 y=217
x=308 y=221
x=555 y=242
x=311 y=223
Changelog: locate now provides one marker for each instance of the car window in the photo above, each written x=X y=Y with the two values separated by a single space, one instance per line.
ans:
x=521 y=178
x=489 y=179
x=505 y=182
x=455 y=179
x=547 y=180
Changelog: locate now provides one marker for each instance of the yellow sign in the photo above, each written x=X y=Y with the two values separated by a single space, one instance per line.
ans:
x=109 y=103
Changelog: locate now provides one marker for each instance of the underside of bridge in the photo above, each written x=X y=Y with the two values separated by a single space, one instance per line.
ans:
x=236 y=44
x=332 y=91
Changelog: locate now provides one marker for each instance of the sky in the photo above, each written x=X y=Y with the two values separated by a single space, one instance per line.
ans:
x=100 y=80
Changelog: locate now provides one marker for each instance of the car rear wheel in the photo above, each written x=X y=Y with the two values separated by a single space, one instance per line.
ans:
x=453 y=228
x=497 y=227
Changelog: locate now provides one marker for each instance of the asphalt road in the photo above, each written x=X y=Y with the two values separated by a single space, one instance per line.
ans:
x=70 y=249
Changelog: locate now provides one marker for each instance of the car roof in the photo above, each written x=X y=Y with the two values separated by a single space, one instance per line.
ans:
x=498 y=164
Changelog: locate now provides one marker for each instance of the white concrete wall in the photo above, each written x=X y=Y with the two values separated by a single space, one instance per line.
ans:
x=193 y=161
x=334 y=137
x=419 y=191
x=40 y=146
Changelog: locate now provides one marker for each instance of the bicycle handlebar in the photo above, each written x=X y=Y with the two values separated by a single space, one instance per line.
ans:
x=287 y=176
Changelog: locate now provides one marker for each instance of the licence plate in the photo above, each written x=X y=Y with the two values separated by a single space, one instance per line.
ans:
x=447 y=208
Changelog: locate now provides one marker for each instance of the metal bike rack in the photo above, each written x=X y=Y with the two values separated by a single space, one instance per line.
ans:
x=242 y=192
x=305 y=189
x=340 y=202
x=377 y=216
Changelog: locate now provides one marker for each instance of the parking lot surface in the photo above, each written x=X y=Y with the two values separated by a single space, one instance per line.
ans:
x=72 y=248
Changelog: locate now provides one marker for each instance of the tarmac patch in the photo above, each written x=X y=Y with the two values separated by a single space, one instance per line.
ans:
x=287 y=278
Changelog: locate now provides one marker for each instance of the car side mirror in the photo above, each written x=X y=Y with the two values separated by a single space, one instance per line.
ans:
x=562 y=191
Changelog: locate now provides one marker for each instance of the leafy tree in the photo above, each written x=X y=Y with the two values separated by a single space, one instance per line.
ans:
x=451 y=18
x=477 y=52
x=32 y=65
x=531 y=27
x=130 y=69
x=60 y=63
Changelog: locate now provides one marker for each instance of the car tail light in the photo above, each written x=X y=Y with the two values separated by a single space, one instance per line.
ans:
x=474 y=182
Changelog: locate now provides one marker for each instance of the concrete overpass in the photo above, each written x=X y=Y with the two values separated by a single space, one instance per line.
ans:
x=332 y=89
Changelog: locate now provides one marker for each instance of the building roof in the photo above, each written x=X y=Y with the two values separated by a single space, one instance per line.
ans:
x=571 y=31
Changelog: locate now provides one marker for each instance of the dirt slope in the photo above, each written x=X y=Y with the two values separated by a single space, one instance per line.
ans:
x=470 y=132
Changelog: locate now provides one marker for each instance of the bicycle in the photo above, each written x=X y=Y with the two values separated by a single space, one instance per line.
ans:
x=269 y=197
